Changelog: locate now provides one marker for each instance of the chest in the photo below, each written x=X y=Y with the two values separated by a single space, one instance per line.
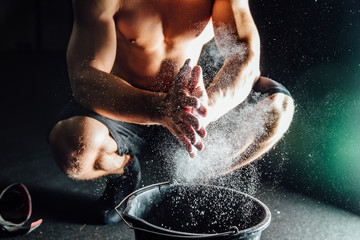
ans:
x=148 y=23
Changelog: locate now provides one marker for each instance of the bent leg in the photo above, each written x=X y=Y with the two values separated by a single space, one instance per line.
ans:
x=84 y=149
x=277 y=110
x=241 y=136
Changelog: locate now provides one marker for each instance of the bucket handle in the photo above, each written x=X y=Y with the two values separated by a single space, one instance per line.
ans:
x=233 y=230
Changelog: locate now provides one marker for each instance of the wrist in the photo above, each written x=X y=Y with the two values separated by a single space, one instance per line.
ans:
x=154 y=103
x=210 y=111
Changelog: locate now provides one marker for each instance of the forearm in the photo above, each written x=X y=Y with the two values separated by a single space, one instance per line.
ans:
x=238 y=40
x=276 y=112
x=233 y=83
x=112 y=97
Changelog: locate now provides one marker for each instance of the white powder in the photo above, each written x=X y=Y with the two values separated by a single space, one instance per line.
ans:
x=225 y=137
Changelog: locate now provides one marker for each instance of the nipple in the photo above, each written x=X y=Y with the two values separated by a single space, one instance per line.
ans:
x=132 y=40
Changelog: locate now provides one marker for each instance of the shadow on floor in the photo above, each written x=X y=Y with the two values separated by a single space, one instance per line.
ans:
x=61 y=206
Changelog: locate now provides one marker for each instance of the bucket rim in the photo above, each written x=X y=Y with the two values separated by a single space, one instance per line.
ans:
x=259 y=227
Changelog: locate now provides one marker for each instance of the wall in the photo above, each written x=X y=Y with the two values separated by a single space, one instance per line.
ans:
x=312 y=47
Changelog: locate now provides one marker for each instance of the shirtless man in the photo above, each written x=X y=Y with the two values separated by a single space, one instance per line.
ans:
x=133 y=63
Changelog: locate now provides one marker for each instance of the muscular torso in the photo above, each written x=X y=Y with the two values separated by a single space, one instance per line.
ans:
x=155 y=37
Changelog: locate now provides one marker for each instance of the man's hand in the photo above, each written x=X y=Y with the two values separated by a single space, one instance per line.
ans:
x=197 y=89
x=183 y=109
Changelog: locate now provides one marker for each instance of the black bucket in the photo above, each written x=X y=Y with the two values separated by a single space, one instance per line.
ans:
x=173 y=211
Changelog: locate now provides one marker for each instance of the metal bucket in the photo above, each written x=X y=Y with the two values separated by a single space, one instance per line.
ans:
x=173 y=211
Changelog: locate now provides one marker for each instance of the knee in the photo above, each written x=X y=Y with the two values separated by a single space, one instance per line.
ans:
x=283 y=109
x=75 y=144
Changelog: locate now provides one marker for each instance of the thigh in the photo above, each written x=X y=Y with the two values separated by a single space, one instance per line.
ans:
x=78 y=142
x=81 y=133
x=129 y=138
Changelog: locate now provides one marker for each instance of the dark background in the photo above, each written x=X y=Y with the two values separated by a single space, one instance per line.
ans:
x=312 y=47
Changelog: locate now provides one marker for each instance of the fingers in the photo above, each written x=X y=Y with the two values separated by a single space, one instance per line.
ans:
x=196 y=82
x=191 y=120
x=201 y=111
x=181 y=78
x=190 y=133
x=189 y=101
x=194 y=78
x=187 y=110
x=199 y=146
x=184 y=140
x=189 y=138
x=197 y=89
x=194 y=132
x=202 y=132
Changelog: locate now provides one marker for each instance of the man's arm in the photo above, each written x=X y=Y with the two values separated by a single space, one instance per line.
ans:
x=91 y=55
x=237 y=38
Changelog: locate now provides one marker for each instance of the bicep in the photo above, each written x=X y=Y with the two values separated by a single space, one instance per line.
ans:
x=234 y=26
x=93 y=38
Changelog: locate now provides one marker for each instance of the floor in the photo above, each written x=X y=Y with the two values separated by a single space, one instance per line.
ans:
x=65 y=205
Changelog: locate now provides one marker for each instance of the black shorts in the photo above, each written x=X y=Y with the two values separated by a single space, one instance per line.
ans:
x=277 y=88
x=129 y=137
x=132 y=138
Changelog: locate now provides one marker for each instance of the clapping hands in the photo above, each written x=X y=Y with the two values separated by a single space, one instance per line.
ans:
x=186 y=108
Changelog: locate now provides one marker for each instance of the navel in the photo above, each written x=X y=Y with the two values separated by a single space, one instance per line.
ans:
x=132 y=40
